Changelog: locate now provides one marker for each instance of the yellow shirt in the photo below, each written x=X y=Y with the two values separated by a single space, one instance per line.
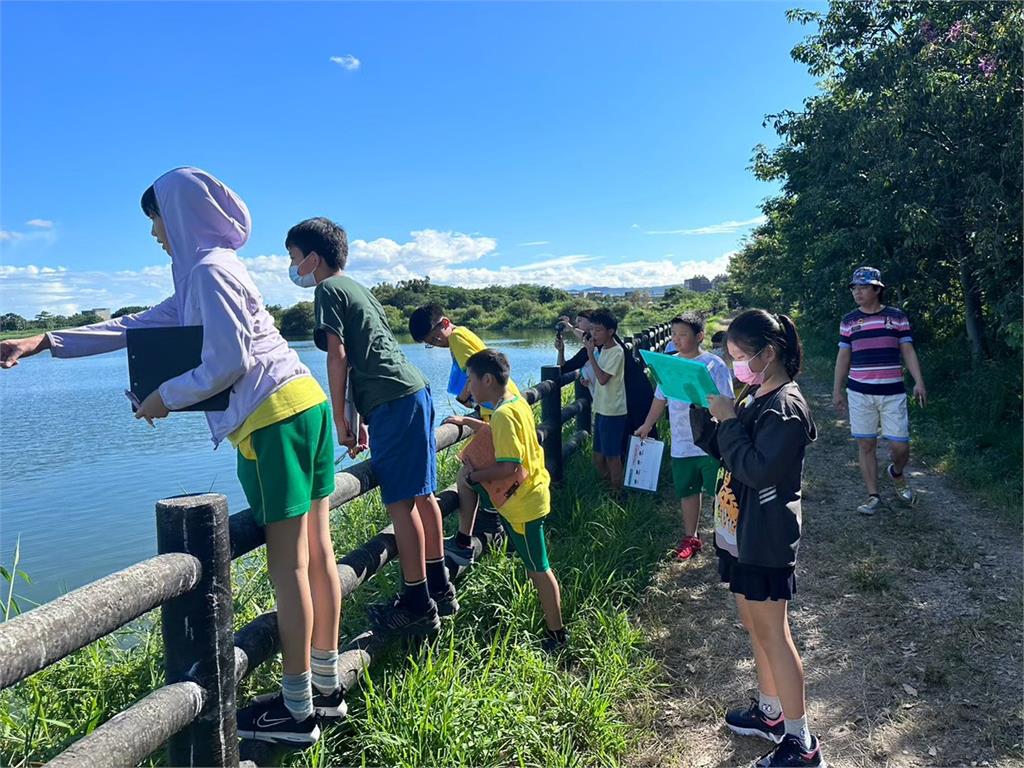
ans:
x=294 y=397
x=515 y=439
x=463 y=344
x=610 y=398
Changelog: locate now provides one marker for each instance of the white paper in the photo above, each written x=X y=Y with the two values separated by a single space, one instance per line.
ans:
x=643 y=464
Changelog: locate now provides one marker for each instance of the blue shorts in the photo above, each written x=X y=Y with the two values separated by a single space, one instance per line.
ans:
x=403 y=451
x=609 y=432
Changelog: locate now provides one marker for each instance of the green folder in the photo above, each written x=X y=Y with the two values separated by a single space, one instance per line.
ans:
x=681 y=379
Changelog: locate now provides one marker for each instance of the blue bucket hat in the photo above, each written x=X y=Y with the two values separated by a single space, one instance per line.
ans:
x=866 y=276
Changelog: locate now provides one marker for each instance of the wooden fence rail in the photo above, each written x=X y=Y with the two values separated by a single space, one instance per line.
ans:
x=205 y=658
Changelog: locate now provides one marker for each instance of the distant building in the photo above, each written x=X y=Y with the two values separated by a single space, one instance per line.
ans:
x=102 y=312
x=699 y=284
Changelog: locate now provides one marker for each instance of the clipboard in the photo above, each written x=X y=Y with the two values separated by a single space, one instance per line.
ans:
x=681 y=379
x=643 y=464
x=479 y=454
x=156 y=355
x=457 y=380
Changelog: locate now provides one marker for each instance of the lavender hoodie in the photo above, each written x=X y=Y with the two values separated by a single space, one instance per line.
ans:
x=242 y=349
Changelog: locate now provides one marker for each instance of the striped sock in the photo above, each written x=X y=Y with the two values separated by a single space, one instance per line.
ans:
x=298 y=695
x=325 y=670
x=437 y=575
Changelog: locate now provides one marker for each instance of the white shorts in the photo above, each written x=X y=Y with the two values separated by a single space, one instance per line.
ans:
x=870 y=414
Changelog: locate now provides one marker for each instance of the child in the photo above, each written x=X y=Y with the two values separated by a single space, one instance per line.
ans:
x=277 y=417
x=874 y=342
x=757 y=522
x=429 y=324
x=393 y=399
x=608 y=360
x=692 y=469
x=515 y=443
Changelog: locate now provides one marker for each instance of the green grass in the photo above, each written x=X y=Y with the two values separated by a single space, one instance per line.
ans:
x=483 y=693
x=21 y=334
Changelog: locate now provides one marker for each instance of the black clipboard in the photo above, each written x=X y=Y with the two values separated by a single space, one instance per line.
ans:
x=156 y=355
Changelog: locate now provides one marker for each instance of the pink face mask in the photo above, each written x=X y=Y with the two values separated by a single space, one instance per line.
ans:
x=741 y=370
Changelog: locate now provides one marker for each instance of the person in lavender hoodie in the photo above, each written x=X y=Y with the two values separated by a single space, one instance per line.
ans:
x=278 y=418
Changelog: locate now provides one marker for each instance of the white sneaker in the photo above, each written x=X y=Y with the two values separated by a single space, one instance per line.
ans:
x=870 y=506
x=903 y=490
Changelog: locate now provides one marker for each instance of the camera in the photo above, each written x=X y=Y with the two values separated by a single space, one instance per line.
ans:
x=561 y=327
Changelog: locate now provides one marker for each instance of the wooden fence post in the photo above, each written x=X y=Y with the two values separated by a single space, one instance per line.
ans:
x=551 y=415
x=584 y=419
x=197 y=627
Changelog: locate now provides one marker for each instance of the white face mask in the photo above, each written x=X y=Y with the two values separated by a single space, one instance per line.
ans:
x=303 y=281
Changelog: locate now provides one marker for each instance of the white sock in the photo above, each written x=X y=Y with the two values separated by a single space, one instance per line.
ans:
x=770 y=705
x=298 y=695
x=325 y=669
x=799 y=729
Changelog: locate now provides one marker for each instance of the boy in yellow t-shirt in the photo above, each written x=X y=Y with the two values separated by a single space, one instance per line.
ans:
x=430 y=325
x=515 y=444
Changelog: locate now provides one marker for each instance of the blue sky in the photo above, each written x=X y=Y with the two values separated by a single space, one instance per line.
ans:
x=572 y=144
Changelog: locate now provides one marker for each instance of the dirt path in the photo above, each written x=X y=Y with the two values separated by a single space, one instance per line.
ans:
x=909 y=624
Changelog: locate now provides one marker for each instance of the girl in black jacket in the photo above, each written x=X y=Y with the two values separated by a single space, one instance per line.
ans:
x=757 y=521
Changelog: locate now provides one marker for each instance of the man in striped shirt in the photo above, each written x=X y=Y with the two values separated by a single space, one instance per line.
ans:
x=875 y=341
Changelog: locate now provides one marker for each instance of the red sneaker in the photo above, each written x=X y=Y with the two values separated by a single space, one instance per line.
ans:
x=688 y=547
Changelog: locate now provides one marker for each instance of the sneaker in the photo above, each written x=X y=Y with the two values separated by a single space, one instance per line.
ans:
x=791 y=754
x=869 y=507
x=903 y=490
x=553 y=643
x=397 y=618
x=752 y=721
x=457 y=554
x=330 y=706
x=688 y=547
x=268 y=719
x=447 y=603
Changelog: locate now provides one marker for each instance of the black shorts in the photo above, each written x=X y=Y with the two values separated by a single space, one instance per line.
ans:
x=755 y=582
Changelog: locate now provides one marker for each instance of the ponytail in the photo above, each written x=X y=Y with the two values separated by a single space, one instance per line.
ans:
x=756 y=329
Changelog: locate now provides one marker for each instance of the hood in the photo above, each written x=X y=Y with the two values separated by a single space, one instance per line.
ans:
x=200 y=214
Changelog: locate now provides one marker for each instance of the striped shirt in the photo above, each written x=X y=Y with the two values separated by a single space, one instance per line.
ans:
x=876 y=366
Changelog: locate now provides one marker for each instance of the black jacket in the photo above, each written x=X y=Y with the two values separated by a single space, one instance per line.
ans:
x=762 y=452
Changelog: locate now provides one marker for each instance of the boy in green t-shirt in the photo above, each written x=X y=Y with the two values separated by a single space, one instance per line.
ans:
x=515 y=444
x=430 y=325
x=393 y=399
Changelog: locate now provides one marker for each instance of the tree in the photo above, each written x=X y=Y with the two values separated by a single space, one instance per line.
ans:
x=129 y=310
x=297 y=322
x=13 y=322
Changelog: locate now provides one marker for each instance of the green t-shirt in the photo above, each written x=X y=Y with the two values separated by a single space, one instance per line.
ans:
x=379 y=370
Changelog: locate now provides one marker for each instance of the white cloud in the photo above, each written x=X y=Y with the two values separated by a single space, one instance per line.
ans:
x=347 y=62
x=448 y=258
x=724 y=228
x=40 y=223
x=533 y=242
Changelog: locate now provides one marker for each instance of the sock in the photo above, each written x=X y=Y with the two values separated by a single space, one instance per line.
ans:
x=415 y=596
x=325 y=669
x=875 y=495
x=437 y=576
x=463 y=539
x=770 y=705
x=893 y=473
x=298 y=695
x=799 y=729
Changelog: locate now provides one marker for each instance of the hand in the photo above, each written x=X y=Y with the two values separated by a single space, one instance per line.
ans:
x=839 y=402
x=362 y=441
x=560 y=343
x=14 y=349
x=721 y=407
x=152 y=407
x=457 y=421
x=585 y=381
x=920 y=394
x=589 y=345
x=643 y=431
x=346 y=437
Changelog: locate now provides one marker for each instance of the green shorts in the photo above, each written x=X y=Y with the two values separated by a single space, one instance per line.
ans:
x=530 y=545
x=692 y=474
x=294 y=465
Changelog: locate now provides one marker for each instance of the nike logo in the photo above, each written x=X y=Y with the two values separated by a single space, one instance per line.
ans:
x=269 y=722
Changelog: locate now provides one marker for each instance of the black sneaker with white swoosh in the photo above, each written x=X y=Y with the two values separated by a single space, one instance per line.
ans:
x=268 y=719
